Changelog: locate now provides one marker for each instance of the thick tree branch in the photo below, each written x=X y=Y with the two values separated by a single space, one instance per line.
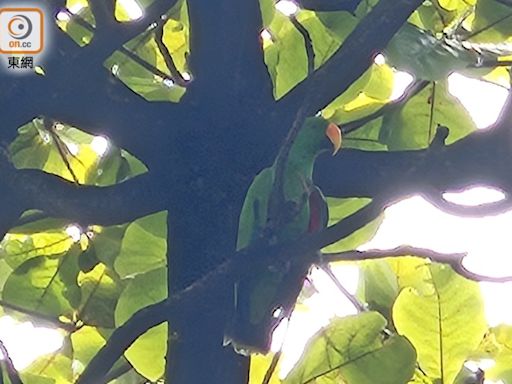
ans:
x=226 y=49
x=330 y=5
x=212 y=287
x=35 y=189
x=454 y=260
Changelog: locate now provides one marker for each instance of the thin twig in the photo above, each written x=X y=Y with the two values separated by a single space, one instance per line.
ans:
x=154 y=70
x=272 y=367
x=308 y=43
x=489 y=26
x=432 y=111
x=355 y=302
x=63 y=152
x=455 y=260
x=169 y=62
x=13 y=374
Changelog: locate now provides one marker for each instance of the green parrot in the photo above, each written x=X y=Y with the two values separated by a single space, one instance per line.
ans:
x=268 y=295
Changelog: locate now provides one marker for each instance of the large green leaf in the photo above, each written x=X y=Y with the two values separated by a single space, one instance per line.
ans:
x=425 y=56
x=147 y=354
x=413 y=125
x=100 y=288
x=145 y=75
x=46 y=285
x=378 y=286
x=342 y=208
x=354 y=350
x=54 y=368
x=493 y=21
x=144 y=246
x=365 y=96
x=54 y=150
x=445 y=323
x=85 y=343
x=497 y=345
x=285 y=52
x=260 y=366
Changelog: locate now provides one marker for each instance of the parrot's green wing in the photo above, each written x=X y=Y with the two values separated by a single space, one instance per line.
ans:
x=253 y=217
x=268 y=295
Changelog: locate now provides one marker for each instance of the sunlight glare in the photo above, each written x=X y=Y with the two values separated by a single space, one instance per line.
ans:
x=402 y=81
x=379 y=59
x=18 y=336
x=186 y=76
x=483 y=100
x=100 y=145
x=169 y=83
x=475 y=196
x=73 y=148
x=266 y=36
x=287 y=7
x=76 y=7
x=132 y=9
x=63 y=16
x=75 y=232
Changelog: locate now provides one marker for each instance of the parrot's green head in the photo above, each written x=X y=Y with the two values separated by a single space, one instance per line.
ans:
x=317 y=135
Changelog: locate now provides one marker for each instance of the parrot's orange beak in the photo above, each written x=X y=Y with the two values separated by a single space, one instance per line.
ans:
x=333 y=132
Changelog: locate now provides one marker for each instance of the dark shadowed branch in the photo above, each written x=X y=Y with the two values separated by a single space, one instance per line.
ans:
x=329 y=5
x=35 y=189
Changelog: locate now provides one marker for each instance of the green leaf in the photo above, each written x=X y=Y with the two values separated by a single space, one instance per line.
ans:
x=146 y=80
x=425 y=56
x=85 y=343
x=327 y=30
x=259 y=368
x=354 y=350
x=492 y=22
x=454 y=5
x=364 y=97
x=342 y=208
x=285 y=56
x=285 y=53
x=100 y=289
x=46 y=285
x=147 y=354
x=497 y=345
x=35 y=147
x=54 y=368
x=144 y=246
x=445 y=324
x=379 y=286
x=413 y=125
x=107 y=242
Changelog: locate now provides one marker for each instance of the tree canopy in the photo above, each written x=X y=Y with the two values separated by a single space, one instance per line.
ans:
x=127 y=153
